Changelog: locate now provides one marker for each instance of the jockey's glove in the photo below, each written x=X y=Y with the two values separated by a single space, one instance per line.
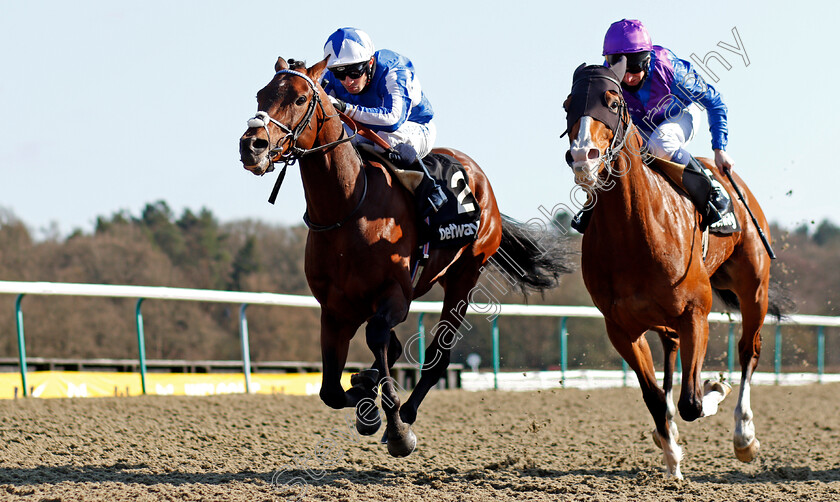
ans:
x=338 y=104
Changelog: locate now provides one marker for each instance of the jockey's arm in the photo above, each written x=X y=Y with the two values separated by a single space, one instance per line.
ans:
x=689 y=85
x=395 y=107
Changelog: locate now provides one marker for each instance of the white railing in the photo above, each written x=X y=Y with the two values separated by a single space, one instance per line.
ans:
x=142 y=293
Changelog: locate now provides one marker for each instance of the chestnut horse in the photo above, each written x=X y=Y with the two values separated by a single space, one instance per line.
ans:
x=643 y=264
x=362 y=242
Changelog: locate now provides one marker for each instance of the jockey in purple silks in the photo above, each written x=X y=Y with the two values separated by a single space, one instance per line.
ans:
x=665 y=97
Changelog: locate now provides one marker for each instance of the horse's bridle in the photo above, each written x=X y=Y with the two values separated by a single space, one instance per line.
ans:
x=294 y=152
x=620 y=126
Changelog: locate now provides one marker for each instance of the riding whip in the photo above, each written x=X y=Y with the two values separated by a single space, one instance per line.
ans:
x=755 y=222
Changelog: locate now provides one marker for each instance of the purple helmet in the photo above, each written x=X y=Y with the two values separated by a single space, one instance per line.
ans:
x=627 y=36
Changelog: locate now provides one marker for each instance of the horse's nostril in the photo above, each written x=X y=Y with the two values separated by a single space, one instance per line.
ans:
x=593 y=154
x=260 y=144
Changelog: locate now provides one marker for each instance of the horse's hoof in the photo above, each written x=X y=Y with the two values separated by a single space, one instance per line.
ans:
x=402 y=447
x=719 y=386
x=749 y=452
x=368 y=420
x=366 y=379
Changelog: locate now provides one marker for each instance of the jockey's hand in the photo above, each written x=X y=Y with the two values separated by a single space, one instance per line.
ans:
x=338 y=104
x=723 y=161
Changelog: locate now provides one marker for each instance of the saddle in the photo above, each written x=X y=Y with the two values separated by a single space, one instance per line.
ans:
x=457 y=222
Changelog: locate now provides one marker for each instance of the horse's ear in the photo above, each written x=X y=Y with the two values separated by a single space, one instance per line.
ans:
x=577 y=71
x=281 y=64
x=620 y=68
x=316 y=70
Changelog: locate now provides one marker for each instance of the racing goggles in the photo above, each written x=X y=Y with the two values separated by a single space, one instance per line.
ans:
x=637 y=62
x=353 y=71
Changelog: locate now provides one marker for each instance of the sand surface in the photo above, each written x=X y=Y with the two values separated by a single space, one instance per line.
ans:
x=548 y=445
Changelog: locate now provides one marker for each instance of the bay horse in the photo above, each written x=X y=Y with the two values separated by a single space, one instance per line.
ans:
x=643 y=263
x=363 y=239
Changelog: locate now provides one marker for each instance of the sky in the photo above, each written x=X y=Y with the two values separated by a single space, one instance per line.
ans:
x=108 y=106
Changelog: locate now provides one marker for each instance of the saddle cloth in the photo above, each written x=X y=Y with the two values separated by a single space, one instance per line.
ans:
x=457 y=222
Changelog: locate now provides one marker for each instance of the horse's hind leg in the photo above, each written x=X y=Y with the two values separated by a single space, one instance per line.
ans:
x=368 y=419
x=391 y=310
x=457 y=285
x=744 y=440
x=635 y=350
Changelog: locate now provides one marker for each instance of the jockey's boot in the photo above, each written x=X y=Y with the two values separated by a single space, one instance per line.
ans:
x=706 y=195
x=404 y=156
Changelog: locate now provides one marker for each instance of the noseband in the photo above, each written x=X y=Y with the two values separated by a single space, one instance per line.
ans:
x=588 y=98
x=293 y=152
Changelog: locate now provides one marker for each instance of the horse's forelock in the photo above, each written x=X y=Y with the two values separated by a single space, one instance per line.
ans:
x=297 y=65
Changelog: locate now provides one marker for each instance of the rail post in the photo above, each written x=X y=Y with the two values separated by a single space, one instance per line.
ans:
x=820 y=353
x=496 y=353
x=421 y=331
x=141 y=343
x=21 y=344
x=564 y=361
x=246 y=348
x=625 y=370
x=730 y=353
x=777 y=355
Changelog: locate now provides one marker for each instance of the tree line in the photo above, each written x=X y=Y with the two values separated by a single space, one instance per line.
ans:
x=196 y=250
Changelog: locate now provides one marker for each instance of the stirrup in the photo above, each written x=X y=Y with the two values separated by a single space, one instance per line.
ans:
x=711 y=217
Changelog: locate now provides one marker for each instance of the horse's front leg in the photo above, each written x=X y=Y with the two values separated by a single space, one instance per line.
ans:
x=335 y=341
x=670 y=347
x=634 y=348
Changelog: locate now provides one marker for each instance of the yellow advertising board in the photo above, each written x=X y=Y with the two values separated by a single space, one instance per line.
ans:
x=103 y=384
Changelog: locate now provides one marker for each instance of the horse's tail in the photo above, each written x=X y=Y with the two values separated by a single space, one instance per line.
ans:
x=535 y=259
x=779 y=303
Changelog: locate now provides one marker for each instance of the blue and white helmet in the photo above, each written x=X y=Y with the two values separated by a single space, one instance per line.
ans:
x=348 y=46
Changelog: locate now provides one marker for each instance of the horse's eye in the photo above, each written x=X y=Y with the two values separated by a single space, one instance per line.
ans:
x=301 y=100
x=614 y=106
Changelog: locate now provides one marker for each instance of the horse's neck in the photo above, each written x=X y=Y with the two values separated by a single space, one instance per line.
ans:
x=632 y=191
x=330 y=182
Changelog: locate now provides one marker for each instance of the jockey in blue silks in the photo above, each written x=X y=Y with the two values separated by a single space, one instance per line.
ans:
x=380 y=90
x=666 y=97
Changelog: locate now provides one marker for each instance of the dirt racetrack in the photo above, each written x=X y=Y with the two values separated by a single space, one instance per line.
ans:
x=549 y=445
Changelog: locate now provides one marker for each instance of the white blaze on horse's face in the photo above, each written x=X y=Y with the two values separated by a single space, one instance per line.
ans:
x=584 y=154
